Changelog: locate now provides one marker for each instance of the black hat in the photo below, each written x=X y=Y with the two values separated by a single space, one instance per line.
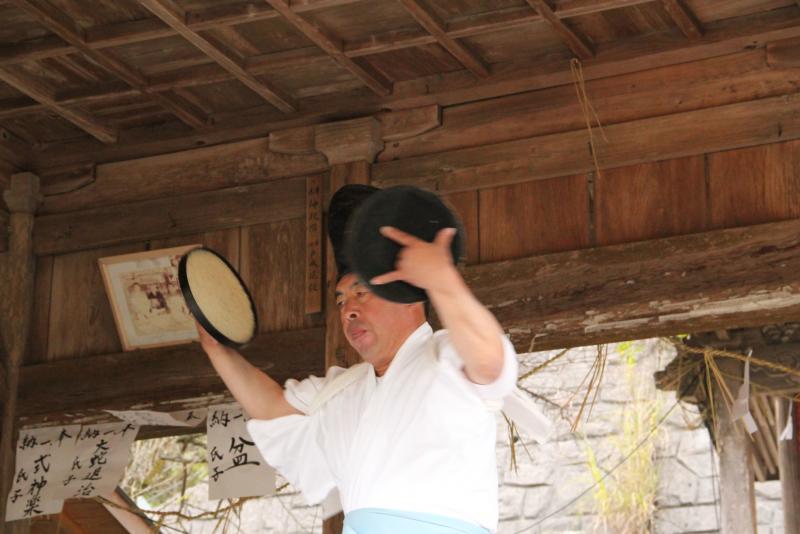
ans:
x=343 y=203
x=410 y=209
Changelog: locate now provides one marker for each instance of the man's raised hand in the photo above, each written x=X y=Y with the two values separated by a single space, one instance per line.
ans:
x=420 y=263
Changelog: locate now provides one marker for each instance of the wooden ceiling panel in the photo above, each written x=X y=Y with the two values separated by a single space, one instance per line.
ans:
x=90 y=13
x=711 y=10
x=199 y=5
x=410 y=63
x=160 y=55
x=623 y=23
x=264 y=36
x=17 y=26
x=42 y=127
x=454 y=9
x=225 y=96
x=520 y=45
x=323 y=78
x=359 y=21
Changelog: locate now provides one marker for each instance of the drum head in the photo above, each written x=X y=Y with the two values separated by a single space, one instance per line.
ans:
x=410 y=209
x=217 y=297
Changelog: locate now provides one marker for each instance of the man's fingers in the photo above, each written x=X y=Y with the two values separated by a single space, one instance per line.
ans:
x=444 y=237
x=385 y=278
x=398 y=236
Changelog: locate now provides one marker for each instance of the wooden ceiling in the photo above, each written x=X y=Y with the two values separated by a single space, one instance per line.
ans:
x=113 y=79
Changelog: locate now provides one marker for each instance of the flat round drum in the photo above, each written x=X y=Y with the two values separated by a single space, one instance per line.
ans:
x=217 y=297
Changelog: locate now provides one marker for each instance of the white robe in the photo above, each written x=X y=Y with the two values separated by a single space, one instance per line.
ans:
x=421 y=438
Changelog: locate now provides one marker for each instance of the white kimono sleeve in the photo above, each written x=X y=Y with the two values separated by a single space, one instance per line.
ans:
x=290 y=444
x=505 y=383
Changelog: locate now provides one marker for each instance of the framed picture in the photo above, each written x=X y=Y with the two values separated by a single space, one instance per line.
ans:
x=146 y=299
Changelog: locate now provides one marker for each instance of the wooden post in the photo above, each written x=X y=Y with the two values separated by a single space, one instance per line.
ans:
x=789 y=466
x=350 y=147
x=737 y=491
x=16 y=282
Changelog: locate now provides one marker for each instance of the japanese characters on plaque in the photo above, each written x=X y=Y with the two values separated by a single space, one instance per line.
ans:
x=313 y=244
x=81 y=461
x=235 y=466
x=57 y=463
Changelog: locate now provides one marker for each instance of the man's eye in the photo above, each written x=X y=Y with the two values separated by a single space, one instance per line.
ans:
x=339 y=303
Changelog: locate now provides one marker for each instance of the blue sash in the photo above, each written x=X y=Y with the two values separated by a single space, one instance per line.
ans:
x=385 y=521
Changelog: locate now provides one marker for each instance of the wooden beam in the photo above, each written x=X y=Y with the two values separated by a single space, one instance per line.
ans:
x=579 y=46
x=333 y=47
x=736 y=485
x=124 y=511
x=173 y=17
x=36 y=90
x=684 y=18
x=170 y=217
x=437 y=28
x=17 y=271
x=721 y=38
x=56 y=22
x=175 y=376
x=789 y=465
x=784 y=54
x=725 y=127
x=694 y=283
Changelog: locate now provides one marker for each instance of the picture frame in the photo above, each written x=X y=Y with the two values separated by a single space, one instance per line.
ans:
x=145 y=297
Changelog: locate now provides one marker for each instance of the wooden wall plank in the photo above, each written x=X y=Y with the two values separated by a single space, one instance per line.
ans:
x=225 y=242
x=755 y=185
x=185 y=172
x=40 y=325
x=650 y=200
x=465 y=204
x=273 y=267
x=3 y=229
x=81 y=322
x=752 y=123
x=170 y=216
x=534 y=218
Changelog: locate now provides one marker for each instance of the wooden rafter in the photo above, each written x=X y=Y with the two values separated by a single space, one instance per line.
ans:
x=684 y=18
x=641 y=54
x=576 y=43
x=333 y=47
x=105 y=36
x=37 y=91
x=56 y=22
x=174 y=18
x=437 y=28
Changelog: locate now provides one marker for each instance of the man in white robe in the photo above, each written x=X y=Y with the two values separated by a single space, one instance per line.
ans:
x=407 y=438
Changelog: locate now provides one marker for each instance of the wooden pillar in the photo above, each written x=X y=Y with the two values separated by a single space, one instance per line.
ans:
x=736 y=482
x=789 y=466
x=16 y=282
x=350 y=147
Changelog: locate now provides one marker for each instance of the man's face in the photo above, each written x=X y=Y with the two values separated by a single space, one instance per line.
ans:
x=375 y=327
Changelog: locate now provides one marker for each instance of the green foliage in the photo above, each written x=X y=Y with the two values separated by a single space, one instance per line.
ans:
x=625 y=502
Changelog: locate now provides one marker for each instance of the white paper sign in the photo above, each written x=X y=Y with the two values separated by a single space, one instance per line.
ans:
x=96 y=462
x=37 y=470
x=235 y=466
x=152 y=418
x=788 y=430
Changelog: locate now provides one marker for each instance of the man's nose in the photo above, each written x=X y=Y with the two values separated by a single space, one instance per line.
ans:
x=351 y=310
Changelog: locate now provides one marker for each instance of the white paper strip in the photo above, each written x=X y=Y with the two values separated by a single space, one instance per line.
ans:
x=96 y=463
x=788 y=430
x=741 y=406
x=37 y=470
x=235 y=466
x=152 y=418
x=527 y=417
